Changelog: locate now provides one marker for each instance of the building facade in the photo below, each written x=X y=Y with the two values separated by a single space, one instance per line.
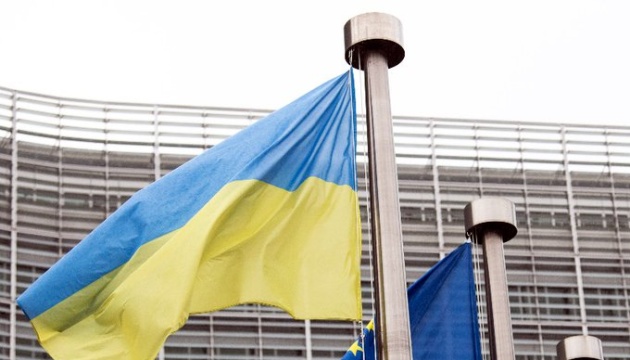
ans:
x=66 y=164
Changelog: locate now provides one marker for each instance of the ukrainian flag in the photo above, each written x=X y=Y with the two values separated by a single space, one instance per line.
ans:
x=268 y=216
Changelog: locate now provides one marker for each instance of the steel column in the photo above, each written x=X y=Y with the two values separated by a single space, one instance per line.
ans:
x=157 y=174
x=373 y=44
x=14 y=222
x=157 y=168
x=497 y=298
x=492 y=221
x=308 y=340
x=436 y=191
x=530 y=238
x=106 y=158
x=574 y=235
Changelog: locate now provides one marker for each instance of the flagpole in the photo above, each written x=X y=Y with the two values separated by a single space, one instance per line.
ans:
x=582 y=347
x=373 y=43
x=491 y=222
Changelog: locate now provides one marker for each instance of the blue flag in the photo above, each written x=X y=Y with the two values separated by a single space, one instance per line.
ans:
x=442 y=313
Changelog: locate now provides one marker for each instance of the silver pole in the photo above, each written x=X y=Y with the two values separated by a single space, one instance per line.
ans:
x=14 y=229
x=157 y=172
x=580 y=347
x=491 y=222
x=374 y=44
x=309 y=341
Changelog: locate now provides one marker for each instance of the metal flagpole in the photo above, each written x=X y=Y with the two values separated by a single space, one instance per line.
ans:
x=580 y=347
x=373 y=43
x=491 y=222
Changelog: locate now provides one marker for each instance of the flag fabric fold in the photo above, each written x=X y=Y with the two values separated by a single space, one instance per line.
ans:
x=267 y=216
x=442 y=313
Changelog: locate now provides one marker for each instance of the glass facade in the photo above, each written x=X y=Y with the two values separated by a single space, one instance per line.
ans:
x=66 y=164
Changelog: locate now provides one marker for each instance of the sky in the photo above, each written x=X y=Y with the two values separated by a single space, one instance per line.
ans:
x=544 y=61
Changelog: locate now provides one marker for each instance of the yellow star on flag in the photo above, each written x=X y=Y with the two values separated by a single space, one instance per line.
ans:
x=355 y=347
x=370 y=325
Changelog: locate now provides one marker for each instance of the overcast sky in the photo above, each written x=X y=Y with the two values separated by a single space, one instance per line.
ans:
x=548 y=61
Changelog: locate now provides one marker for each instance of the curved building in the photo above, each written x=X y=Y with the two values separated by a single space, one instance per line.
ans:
x=66 y=164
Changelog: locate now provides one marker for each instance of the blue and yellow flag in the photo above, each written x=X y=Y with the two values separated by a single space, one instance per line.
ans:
x=364 y=347
x=442 y=313
x=268 y=216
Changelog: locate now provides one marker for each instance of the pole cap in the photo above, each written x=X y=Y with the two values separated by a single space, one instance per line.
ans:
x=580 y=347
x=491 y=213
x=374 y=32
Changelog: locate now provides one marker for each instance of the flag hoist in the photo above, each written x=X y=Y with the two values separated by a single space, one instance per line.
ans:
x=373 y=43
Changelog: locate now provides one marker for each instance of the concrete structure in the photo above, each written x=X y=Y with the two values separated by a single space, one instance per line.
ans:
x=65 y=164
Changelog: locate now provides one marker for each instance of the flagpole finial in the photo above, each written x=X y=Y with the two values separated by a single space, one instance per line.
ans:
x=493 y=213
x=374 y=31
x=580 y=347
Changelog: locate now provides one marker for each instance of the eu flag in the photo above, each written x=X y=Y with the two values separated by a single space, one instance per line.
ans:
x=442 y=313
